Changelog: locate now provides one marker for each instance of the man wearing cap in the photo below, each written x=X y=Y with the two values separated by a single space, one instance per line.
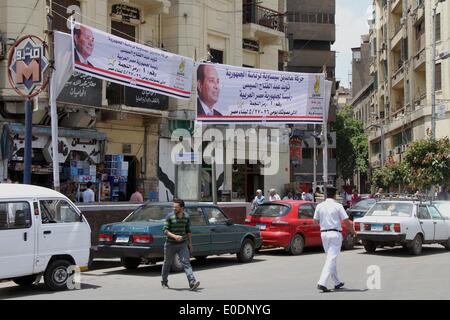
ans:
x=329 y=214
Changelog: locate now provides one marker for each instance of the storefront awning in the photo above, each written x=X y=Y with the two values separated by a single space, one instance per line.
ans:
x=19 y=128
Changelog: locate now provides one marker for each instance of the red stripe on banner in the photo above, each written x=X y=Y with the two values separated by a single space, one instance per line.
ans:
x=260 y=117
x=129 y=78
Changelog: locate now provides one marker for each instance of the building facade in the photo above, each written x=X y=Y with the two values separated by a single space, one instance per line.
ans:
x=401 y=40
x=98 y=118
x=311 y=33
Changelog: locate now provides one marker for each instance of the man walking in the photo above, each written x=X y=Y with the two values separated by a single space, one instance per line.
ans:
x=177 y=228
x=330 y=214
x=273 y=195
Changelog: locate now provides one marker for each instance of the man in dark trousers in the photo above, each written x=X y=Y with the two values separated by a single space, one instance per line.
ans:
x=177 y=228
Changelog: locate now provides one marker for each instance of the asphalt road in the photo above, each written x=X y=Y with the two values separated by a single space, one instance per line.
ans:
x=273 y=275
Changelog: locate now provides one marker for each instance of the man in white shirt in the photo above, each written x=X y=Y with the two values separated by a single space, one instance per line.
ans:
x=88 y=194
x=208 y=88
x=329 y=214
x=273 y=195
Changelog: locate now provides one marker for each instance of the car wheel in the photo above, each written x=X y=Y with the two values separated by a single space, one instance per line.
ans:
x=130 y=263
x=447 y=244
x=297 y=245
x=348 y=243
x=415 y=247
x=370 y=246
x=57 y=274
x=26 y=281
x=247 y=251
x=201 y=258
x=177 y=266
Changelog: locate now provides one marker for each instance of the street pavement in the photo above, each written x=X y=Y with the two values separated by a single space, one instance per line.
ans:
x=273 y=275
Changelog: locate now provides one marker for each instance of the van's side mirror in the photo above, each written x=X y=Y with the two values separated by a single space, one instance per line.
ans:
x=229 y=222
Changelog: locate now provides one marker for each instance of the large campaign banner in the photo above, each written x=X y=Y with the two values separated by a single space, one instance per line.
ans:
x=229 y=94
x=111 y=58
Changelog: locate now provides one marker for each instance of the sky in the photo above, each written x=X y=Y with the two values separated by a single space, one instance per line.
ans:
x=351 y=23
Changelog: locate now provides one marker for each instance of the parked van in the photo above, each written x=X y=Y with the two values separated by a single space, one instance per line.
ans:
x=42 y=233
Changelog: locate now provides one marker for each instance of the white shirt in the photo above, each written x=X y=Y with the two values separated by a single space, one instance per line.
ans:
x=88 y=196
x=330 y=214
x=206 y=109
x=276 y=197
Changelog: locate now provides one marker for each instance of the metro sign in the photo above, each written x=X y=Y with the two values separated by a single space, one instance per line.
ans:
x=27 y=66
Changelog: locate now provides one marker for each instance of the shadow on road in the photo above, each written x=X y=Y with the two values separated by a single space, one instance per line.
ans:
x=350 y=290
x=403 y=253
x=16 y=291
x=155 y=270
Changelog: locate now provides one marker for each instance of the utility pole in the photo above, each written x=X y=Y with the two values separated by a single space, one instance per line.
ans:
x=315 y=161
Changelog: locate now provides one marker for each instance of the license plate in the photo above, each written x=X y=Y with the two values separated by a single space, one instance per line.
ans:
x=122 y=239
x=376 y=227
x=261 y=226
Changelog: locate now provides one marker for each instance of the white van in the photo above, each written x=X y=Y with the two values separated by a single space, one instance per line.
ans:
x=42 y=233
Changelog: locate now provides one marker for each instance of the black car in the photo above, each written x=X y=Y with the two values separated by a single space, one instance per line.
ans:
x=360 y=208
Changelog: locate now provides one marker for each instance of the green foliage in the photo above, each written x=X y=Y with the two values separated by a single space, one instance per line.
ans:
x=392 y=176
x=352 y=144
x=429 y=162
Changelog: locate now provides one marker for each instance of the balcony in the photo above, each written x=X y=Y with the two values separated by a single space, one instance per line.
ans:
x=383 y=53
x=420 y=60
x=397 y=6
x=155 y=6
x=264 y=24
x=398 y=32
x=372 y=68
x=398 y=78
x=419 y=14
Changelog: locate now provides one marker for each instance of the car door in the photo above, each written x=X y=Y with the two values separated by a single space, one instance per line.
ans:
x=426 y=223
x=62 y=231
x=307 y=227
x=441 y=232
x=201 y=236
x=17 y=239
x=224 y=238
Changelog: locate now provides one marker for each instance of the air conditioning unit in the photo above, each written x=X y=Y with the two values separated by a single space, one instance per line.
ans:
x=391 y=153
x=402 y=20
x=403 y=148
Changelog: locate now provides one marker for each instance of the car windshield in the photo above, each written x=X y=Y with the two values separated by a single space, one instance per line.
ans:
x=271 y=210
x=149 y=213
x=444 y=208
x=364 y=204
x=391 y=209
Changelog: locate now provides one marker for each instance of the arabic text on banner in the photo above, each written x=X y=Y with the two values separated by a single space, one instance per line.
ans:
x=229 y=94
x=115 y=59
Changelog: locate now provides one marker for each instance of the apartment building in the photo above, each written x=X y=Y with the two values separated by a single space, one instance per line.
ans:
x=311 y=33
x=98 y=118
x=400 y=103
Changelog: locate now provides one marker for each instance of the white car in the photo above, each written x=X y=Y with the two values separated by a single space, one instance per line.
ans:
x=406 y=223
x=42 y=233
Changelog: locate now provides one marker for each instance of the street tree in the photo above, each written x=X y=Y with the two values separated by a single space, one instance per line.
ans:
x=351 y=144
x=429 y=162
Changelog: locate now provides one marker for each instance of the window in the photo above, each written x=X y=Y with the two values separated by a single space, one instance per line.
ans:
x=434 y=213
x=15 y=215
x=216 y=56
x=215 y=216
x=306 y=211
x=438 y=77
x=58 y=211
x=438 y=27
x=423 y=213
x=196 y=216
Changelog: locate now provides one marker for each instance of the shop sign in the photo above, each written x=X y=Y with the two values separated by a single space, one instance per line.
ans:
x=27 y=66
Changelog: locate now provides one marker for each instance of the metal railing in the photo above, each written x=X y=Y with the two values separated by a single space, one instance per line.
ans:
x=264 y=17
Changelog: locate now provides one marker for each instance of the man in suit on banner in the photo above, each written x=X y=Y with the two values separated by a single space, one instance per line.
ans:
x=208 y=88
x=84 y=44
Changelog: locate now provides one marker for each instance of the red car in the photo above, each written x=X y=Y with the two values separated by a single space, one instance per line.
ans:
x=290 y=224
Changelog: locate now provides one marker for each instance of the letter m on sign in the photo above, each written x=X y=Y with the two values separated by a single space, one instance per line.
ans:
x=25 y=72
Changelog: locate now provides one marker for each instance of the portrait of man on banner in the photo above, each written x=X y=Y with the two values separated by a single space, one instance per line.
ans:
x=208 y=89
x=83 y=39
